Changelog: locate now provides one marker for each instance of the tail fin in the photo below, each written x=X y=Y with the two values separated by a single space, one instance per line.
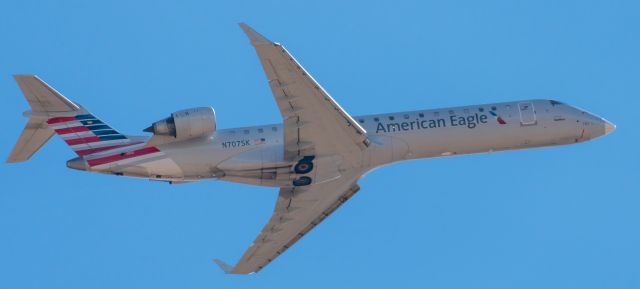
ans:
x=51 y=113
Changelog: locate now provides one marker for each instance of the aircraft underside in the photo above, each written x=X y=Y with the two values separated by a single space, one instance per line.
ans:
x=315 y=157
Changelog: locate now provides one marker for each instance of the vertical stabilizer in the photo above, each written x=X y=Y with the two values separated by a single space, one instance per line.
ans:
x=45 y=102
x=51 y=113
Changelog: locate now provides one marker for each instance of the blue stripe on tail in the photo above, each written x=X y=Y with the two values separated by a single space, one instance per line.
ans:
x=85 y=116
x=112 y=137
x=98 y=127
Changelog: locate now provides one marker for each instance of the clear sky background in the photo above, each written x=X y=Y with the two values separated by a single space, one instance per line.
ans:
x=562 y=217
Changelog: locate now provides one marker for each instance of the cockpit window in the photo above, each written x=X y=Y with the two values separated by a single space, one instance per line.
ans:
x=555 y=102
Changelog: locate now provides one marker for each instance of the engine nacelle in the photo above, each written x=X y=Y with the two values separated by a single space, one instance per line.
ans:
x=186 y=124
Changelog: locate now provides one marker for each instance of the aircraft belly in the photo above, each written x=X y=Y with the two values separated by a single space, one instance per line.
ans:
x=454 y=141
x=386 y=149
x=195 y=162
x=255 y=159
x=163 y=167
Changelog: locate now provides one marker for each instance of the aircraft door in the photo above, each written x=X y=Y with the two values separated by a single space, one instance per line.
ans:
x=527 y=113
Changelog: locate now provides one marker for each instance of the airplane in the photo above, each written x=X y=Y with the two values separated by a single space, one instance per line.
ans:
x=315 y=157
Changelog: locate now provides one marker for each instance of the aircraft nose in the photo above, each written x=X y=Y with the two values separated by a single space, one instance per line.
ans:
x=608 y=126
x=77 y=164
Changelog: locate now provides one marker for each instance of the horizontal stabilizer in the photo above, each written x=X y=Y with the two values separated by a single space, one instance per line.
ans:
x=33 y=137
x=42 y=97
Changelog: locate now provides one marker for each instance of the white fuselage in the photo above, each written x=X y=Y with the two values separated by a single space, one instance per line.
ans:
x=255 y=155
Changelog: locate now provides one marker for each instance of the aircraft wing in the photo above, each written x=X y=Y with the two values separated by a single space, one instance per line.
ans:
x=314 y=122
x=297 y=211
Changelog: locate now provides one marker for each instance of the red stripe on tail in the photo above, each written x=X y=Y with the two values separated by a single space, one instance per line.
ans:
x=97 y=150
x=82 y=140
x=122 y=156
x=60 y=119
x=71 y=130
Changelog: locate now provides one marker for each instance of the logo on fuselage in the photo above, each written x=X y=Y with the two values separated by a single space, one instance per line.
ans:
x=497 y=117
x=469 y=121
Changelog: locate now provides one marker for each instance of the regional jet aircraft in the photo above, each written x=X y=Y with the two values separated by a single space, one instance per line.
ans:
x=315 y=156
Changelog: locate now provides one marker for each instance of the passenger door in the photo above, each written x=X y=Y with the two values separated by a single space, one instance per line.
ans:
x=527 y=113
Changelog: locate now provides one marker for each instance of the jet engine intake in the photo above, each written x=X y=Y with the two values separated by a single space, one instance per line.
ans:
x=186 y=124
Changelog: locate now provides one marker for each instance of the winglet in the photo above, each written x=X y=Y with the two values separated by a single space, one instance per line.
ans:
x=224 y=266
x=255 y=37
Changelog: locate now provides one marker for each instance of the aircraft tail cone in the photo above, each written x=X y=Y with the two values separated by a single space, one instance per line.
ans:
x=77 y=164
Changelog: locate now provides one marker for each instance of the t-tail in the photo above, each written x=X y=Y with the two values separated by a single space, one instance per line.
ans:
x=51 y=113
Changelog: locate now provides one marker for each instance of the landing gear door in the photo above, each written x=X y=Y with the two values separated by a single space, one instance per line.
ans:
x=527 y=113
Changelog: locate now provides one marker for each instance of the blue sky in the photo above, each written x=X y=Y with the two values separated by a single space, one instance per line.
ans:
x=562 y=217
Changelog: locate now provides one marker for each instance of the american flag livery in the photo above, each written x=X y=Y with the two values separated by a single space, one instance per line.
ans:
x=498 y=118
x=97 y=142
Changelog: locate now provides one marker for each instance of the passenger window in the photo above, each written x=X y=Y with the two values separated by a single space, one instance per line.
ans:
x=451 y=112
x=391 y=118
x=246 y=131
x=361 y=120
x=260 y=130
x=466 y=110
x=493 y=108
x=421 y=115
x=481 y=109
x=436 y=114
x=406 y=116
x=376 y=119
x=275 y=128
